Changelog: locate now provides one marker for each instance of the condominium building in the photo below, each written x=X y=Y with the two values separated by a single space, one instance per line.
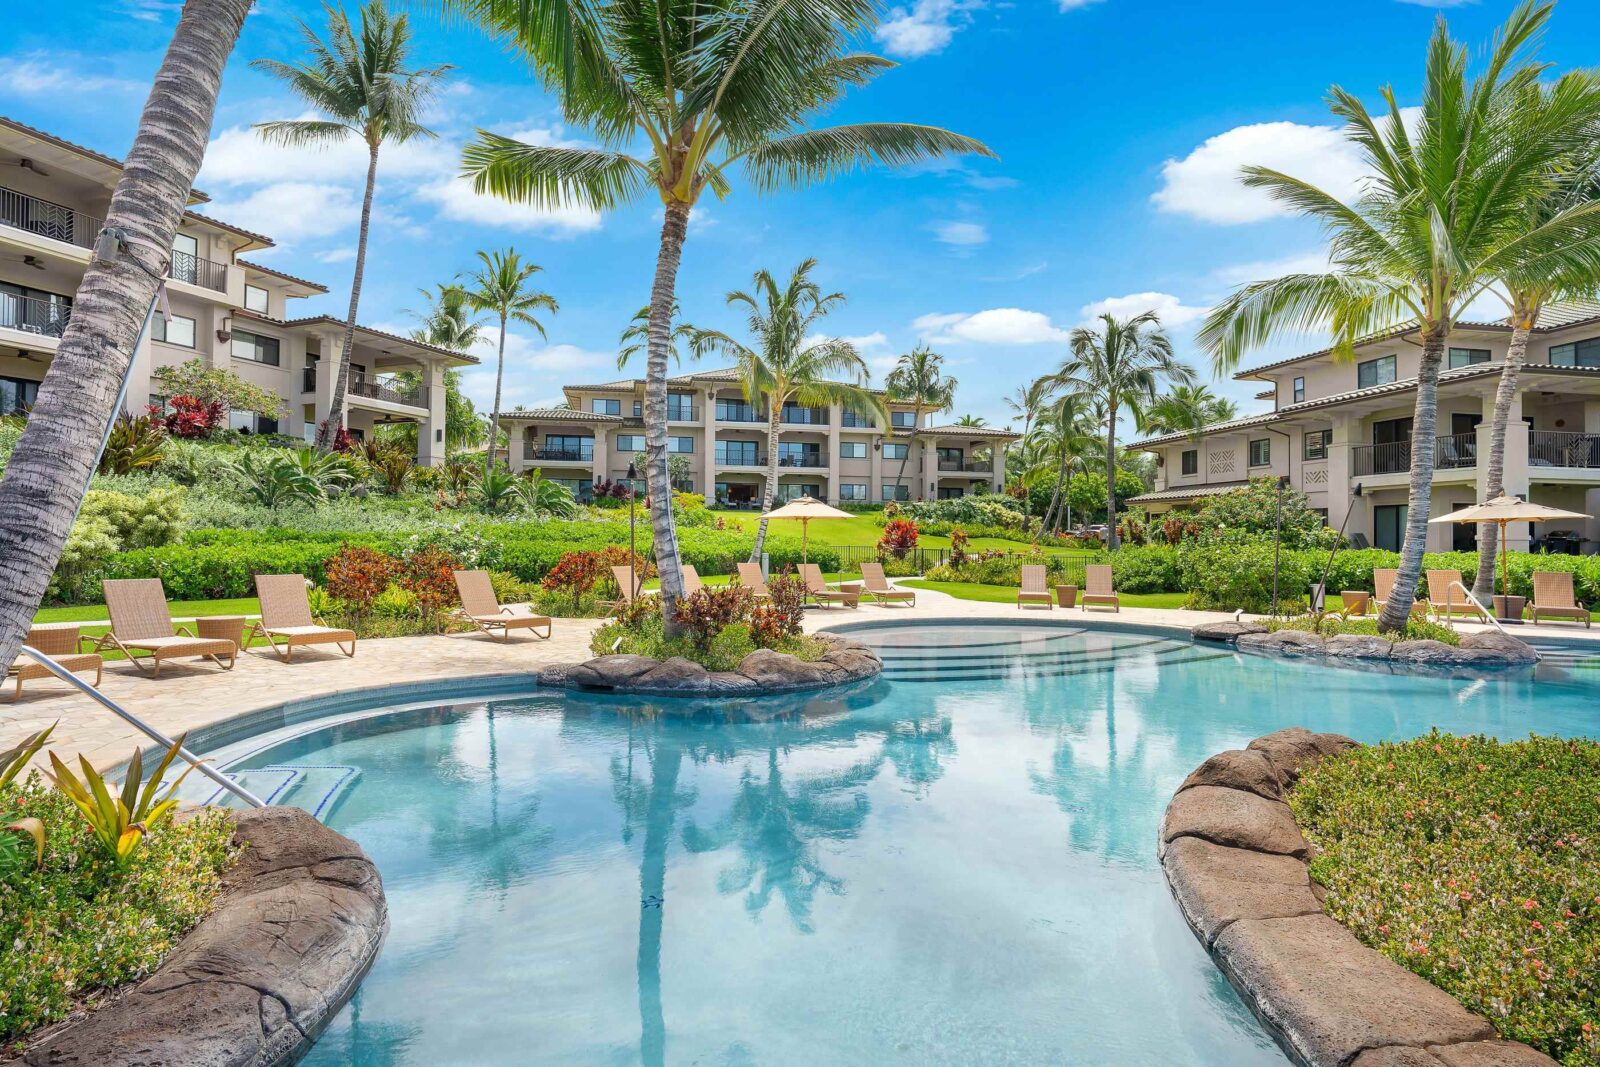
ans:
x=831 y=453
x=226 y=310
x=1336 y=425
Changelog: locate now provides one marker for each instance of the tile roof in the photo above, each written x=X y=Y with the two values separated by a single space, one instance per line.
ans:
x=1216 y=427
x=89 y=153
x=261 y=239
x=558 y=415
x=1193 y=492
x=286 y=277
x=728 y=375
x=622 y=385
x=957 y=430
x=329 y=320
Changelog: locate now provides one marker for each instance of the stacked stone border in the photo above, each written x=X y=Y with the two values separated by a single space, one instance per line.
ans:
x=1237 y=865
x=762 y=671
x=1491 y=651
x=301 y=918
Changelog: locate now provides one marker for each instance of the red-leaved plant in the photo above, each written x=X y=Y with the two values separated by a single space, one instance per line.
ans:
x=899 y=537
x=429 y=574
x=778 y=618
x=358 y=575
x=705 y=613
x=191 y=417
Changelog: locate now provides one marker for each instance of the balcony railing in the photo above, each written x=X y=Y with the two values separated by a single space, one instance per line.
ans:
x=740 y=415
x=55 y=221
x=805 y=416
x=197 y=271
x=531 y=450
x=308 y=378
x=683 y=413
x=740 y=459
x=1549 y=448
x=47 y=318
x=971 y=466
x=391 y=390
x=1452 y=452
x=810 y=461
x=1458 y=451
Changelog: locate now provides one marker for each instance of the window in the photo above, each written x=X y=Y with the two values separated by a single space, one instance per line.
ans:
x=1261 y=452
x=250 y=422
x=605 y=407
x=568 y=446
x=1190 y=461
x=255 y=299
x=1299 y=390
x=895 y=451
x=1316 y=444
x=34 y=310
x=897 y=492
x=1388 y=526
x=854 y=418
x=174 y=331
x=737 y=453
x=1380 y=371
x=952 y=492
x=255 y=347
x=582 y=489
x=17 y=395
x=791 y=490
x=903 y=420
x=1466 y=357
x=799 y=413
x=852 y=450
x=630 y=442
x=951 y=459
x=856 y=491
x=736 y=411
x=680 y=407
x=159 y=402
x=1584 y=353
x=680 y=444
x=799 y=454
x=638 y=409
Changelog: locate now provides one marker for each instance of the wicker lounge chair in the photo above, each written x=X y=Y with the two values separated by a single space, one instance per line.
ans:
x=1383 y=579
x=1447 y=596
x=1035 y=588
x=877 y=585
x=286 y=616
x=141 y=627
x=818 y=592
x=691 y=579
x=750 y=578
x=60 y=643
x=1099 y=588
x=1553 y=598
x=480 y=607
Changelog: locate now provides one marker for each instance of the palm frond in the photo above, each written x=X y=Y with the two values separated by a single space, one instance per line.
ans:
x=550 y=177
x=801 y=159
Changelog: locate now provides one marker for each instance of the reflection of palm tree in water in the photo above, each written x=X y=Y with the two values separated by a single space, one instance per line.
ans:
x=917 y=749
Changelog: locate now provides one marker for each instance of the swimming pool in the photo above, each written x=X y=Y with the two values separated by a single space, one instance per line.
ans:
x=954 y=864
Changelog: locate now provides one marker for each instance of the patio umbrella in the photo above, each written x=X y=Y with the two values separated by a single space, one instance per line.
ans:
x=1504 y=509
x=806 y=508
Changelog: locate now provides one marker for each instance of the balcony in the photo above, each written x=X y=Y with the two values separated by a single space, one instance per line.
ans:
x=196 y=271
x=308 y=378
x=728 y=413
x=54 y=221
x=391 y=390
x=1453 y=452
x=805 y=416
x=532 y=451
x=970 y=466
x=1549 y=448
x=46 y=318
x=810 y=461
x=682 y=413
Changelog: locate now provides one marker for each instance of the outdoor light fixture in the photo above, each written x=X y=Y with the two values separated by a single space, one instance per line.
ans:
x=111 y=243
x=633 y=511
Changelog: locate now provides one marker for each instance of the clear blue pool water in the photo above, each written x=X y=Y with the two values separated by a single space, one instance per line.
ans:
x=952 y=865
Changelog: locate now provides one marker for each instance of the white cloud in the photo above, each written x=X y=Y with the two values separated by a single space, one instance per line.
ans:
x=1173 y=311
x=1074 y=5
x=1205 y=183
x=456 y=200
x=995 y=326
x=924 y=28
x=289 y=211
x=961 y=233
x=336 y=255
x=1313 y=261
x=42 y=74
x=534 y=370
x=240 y=156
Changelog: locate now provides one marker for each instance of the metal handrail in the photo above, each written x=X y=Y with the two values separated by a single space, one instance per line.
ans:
x=1449 y=604
x=145 y=728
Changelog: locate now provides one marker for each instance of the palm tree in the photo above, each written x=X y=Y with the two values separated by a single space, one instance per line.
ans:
x=500 y=286
x=364 y=86
x=1030 y=401
x=636 y=338
x=972 y=420
x=787 y=363
x=50 y=468
x=1575 y=182
x=918 y=379
x=1444 y=215
x=1121 y=365
x=1065 y=438
x=709 y=87
x=1187 y=409
x=448 y=322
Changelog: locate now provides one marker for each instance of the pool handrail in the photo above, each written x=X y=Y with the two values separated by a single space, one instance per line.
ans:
x=1449 y=601
x=145 y=728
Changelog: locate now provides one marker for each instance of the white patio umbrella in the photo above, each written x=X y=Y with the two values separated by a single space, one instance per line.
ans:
x=806 y=508
x=1503 y=510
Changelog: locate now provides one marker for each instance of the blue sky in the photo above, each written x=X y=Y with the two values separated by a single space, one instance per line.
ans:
x=1119 y=124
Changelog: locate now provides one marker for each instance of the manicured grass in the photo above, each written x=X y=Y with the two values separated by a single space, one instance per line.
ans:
x=1004 y=594
x=179 y=608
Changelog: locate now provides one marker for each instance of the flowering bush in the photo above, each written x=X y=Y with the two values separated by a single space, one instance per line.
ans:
x=1476 y=865
x=899 y=538
x=358 y=575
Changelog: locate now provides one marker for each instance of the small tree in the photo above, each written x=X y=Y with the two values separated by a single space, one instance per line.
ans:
x=217 y=385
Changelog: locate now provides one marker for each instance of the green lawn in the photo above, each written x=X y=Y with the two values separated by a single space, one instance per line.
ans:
x=1005 y=594
x=180 y=609
x=863 y=531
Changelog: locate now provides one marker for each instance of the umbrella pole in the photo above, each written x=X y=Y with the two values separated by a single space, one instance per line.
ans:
x=805 y=530
x=1505 y=564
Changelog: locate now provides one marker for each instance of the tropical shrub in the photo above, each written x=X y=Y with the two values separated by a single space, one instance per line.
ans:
x=429 y=575
x=543 y=499
x=1250 y=513
x=147 y=521
x=495 y=490
x=392 y=467
x=1229 y=577
x=1475 y=864
x=1004 y=512
x=1145 y=569
x=1086 y=493
x=273 y=479
x=703 y=615
x=120 y=817
x=778 y=617
x=90 y=548
x=357 y=575
x=899 y=538
x=135 y=444
x=958 y=546
x=575 y=575
x=217 y=386
x=1002 y=568
x=190 y=417
x=1328 y=625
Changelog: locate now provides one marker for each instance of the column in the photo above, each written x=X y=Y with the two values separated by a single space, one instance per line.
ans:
x=998 y=484
x=327 y=368
x=875 y=481
x=1517 y=480
x=1341 y=481
x=835 y=421
x=706 y=477
x=928 y=486
x=430 y=431
x=601 y=470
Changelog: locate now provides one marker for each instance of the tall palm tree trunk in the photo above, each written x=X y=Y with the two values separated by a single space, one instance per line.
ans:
x=652 y=887
x=329 y=430
x=1397 y=610
x=48 y=472
x=1052 y=519
x=774 y=406
x=494 y=416
x=673 y=230
x=1111 y=475
x=1522 y=320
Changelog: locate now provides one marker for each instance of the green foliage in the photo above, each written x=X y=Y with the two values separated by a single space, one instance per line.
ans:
x=1476 y=865
x=15 y=758
x=1004 y=569
x=273 y=479
x=217 y=385
x=91 y=547
x=1145 y=568
x=495 y=490
x=1228 y=577
x=1086 y=492
x=1250 y=513
x=729 y=647
x=541 y=498
x=1001 y=512
x=135 y=444
x=148 y=521
x=121 y=819
x=1328 y=625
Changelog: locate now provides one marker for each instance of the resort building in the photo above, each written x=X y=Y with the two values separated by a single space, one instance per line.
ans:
x=225 y=310
x=1338 y=425
x=830 y=453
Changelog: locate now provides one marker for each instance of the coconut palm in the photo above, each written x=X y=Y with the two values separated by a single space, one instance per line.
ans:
x=918 y=379
x=448 y=322
x=709 y=88
x=364 y=87
x=1187 y=409
x=1443 y=215
x=636 y=338
x=972 y=420
x=500 y=286
x=788 y=362
x=1122 y=365
x=1030 y=400
x=1065 y=435
x=50 y=468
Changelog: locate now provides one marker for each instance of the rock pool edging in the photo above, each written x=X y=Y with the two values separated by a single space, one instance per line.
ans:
x=1237 y=865
x=762 y=671
x=301 y=917
x=1481 y=650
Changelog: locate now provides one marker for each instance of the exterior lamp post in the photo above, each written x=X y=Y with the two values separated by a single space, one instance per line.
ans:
x=633 y=511
x=1277 y=539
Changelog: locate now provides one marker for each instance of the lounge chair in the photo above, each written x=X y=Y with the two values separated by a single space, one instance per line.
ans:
x=817 y=588
x=60 y=643
x=1383 y=579
x=750 y=578
x=878 y=587
x=1553 y=598
x=286 y=616
x=1099 y=588
x=691 y=579
x=141 y=627
x=1035 y=588
x=1447 y=596
x=483 y=609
